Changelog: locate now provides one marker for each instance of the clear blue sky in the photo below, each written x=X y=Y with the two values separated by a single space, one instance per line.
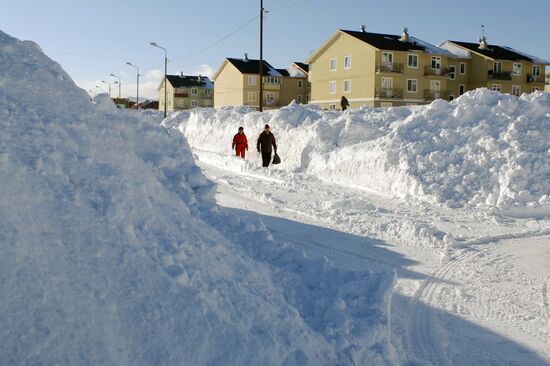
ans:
x=92 y=39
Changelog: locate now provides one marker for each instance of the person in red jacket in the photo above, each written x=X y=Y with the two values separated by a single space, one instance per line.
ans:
x=240 y=143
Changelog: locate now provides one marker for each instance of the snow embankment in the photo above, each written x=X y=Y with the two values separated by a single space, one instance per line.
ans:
x=112 y=251
x=483 y=150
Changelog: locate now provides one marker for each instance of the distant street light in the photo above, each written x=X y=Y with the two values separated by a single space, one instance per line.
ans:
x=119 y=84
x=103 y=81
x=165 y=75
x=137 y=88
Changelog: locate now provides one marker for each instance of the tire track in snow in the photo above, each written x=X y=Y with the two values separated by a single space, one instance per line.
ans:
x=423 y=337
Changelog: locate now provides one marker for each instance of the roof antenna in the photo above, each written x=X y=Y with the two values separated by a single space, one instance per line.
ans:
x=405 y=35
x=482 y=39
x=363 y=28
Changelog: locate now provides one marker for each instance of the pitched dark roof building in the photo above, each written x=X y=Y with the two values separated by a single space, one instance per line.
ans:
x=495 y=52
x=249 y=66
x=187 y=81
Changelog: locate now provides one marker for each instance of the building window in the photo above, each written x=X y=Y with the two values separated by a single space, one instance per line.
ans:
x=332 y=87
x=413 y=61
x=436 y=62
x=387 y=59
x=497 y=87
x=194 y=103
x=451 y=98
x=462 y=68
x=386 y=104
x=452 y=72
x=332 y=64
x=412 y=85
x=194 y=91
x=299 y=84
x=516 y=70
x=497 y=67
x=347 y=86
x=251 y=79
x=332 y=107
x=347 y=62
x=271 y=80
x=536 y=70
x=251 y=96
x=536 y=88
x=516 y=90
x=270 y=98
x=299 y=99
x=461 y=89
x=207 y=103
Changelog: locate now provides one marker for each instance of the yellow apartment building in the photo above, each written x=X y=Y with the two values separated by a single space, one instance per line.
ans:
x=186 y=91
x=384 y=70
x=237 y=83
x=500 y=68
x=547 y=87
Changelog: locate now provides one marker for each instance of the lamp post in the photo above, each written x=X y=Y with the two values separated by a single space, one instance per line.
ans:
x=165 y=74
x=261 y=56
x=119 y=84
x=137 y=88
x=103 y=81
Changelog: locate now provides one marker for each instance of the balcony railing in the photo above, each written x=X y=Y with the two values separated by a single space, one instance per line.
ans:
x=181 y=95
x=535 y=79
x=428 y=70
x=433 y=95
x=503 y=75
x=389 y=67
x=388 y=93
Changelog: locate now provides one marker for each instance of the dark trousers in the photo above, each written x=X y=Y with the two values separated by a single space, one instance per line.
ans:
x=266 y=158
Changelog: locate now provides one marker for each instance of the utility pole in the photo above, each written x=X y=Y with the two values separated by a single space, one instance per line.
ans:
x=261 y=55
x=165 y=74
x=137 y=87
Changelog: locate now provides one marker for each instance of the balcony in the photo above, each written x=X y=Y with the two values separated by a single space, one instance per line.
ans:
x=503 y=75
x=539 y=79
x=433 y=95
x=181 y=95
x=429 y=71
x=389 y=67
x=388 y=93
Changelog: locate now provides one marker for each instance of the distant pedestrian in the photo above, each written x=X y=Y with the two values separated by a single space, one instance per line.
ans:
x=240 y=143
x=266 y=144
x=344 y=103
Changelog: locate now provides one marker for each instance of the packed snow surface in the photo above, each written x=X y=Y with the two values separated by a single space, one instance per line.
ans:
x=483 y=149
x=113 y=252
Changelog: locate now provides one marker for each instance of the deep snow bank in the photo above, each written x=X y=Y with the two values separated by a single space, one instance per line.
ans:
x=112 y=251
x=483 y=149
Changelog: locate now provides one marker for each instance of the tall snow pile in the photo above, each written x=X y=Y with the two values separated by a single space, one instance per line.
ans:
x=112 y=251
x=484 y=149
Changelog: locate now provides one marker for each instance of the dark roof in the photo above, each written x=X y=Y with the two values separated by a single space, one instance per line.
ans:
x=302 y=66
x=283 y=72
x=494 y=52
x=179 y=81
x=385 y=41
x=250 y=66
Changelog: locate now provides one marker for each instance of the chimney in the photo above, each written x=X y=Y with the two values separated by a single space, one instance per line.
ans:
x=181 y=74
x=246 y=56
x=199 y=78
x=363 y=28
x=483 y=40
x=405 y=35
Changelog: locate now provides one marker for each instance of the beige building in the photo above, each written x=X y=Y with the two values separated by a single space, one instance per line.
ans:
x=383 y=70
x=547 y=87
x=186 y=91
x=500 y=68
x=237 y=83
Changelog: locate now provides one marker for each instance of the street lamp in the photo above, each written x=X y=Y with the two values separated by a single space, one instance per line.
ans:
x=103 y=81
x=165 y=74
x=119 y=84
x=137 y=88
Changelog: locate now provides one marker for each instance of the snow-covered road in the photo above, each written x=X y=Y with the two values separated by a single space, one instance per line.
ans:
x=473 y=288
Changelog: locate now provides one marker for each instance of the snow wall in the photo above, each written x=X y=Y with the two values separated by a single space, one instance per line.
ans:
x=112 y=251
x=482 y=150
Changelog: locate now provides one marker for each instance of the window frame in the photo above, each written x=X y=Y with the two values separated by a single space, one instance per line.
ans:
x=536 y=67
x=518 y=87
x=496 y=87
x=299 y=84
x=415 y=83
x=255 y=99
x=346 y=58
x=299 y=99
x=452 y=74
x=462 y=68
x=194 y=103
x=409 y=60
x=514 y=69
x=194 y=91
x=437 y=64
x=335 y=64
x=347 y=81
x=253 y=78
x=332 y=90
x=461 y=89
x=495 y=71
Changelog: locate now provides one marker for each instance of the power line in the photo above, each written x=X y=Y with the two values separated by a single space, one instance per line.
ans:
x=218 y=41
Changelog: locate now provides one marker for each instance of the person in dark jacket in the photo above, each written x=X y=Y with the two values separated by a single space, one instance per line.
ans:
x=266 y=144
x=344 y=103
x=240 y=143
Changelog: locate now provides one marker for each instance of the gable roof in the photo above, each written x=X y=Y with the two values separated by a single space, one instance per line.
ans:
x=179 y=81
x=303 y=66
x=389 y=42
x=253 y=67
x=283 y=72
x=493 y=51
